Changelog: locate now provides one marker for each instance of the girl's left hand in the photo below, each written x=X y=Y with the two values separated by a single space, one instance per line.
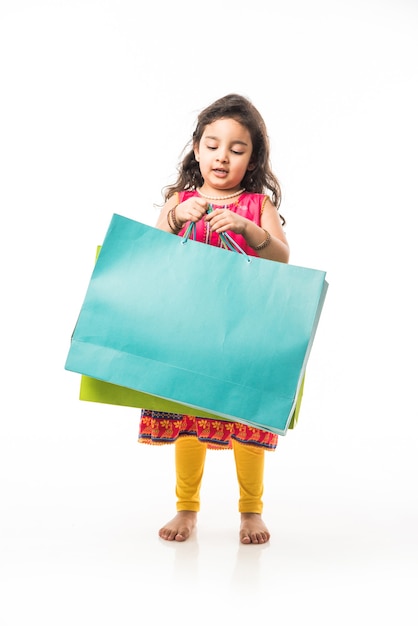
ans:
x=221 y=220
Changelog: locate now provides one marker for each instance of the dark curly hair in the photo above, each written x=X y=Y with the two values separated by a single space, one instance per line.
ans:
x=260 y=178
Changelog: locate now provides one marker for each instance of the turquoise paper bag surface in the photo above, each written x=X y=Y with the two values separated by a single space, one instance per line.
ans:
x=94 y=390
x=217 y=331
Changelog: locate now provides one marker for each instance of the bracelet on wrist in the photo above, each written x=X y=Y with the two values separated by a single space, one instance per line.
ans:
x=173 y=218
x=264 y=243
x=175 y=227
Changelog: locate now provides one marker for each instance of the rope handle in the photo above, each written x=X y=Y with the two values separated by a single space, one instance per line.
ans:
x=226 y=239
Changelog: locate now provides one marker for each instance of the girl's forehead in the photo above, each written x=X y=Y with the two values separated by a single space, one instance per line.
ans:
x=226 y=126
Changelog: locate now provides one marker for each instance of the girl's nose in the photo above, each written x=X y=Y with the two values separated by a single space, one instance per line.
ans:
x=222 y=155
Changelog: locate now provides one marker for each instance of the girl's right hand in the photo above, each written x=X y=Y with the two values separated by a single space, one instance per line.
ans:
x=191 y=210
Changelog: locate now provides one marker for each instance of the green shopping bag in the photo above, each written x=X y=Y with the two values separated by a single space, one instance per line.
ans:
x=93 y=390
x=221 y=333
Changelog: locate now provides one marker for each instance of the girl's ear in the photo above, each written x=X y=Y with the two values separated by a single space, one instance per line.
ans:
x=251 y=167
x=196 y=152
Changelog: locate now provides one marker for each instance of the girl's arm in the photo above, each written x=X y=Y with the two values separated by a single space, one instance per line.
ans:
x=270 y=237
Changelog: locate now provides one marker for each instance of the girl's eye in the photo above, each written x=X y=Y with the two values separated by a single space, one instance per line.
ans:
x=238 y=152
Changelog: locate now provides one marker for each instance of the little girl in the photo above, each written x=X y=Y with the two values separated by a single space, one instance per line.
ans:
x=221 y=187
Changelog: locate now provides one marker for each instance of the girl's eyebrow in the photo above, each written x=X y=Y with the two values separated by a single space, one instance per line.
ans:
x=242 y=143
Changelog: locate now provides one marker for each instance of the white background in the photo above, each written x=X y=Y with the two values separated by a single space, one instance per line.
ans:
x=98 y=99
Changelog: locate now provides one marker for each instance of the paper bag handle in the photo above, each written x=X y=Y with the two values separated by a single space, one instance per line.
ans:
x=226 y=239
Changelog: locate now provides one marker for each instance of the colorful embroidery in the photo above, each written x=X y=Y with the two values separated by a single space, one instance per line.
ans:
x=159 y=428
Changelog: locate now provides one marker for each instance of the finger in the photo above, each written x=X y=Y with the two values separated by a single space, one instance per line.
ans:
x=196 y=215
x=213 y=215
x=201 y=203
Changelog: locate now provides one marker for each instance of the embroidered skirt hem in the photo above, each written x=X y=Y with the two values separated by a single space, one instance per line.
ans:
x=159 y=428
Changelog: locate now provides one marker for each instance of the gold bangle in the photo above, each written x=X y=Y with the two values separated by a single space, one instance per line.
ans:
x=173 y=217
x=264 y=243
x=169 y=224
x=175 y=227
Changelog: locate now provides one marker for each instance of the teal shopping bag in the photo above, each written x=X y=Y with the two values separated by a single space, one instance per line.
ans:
x=213 y=330
x=94 y=390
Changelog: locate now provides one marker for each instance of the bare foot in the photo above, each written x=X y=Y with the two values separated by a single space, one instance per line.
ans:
x=180 y=527
x=253 y=529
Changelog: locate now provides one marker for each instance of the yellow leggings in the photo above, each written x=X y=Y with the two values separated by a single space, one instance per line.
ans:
x=190 y=454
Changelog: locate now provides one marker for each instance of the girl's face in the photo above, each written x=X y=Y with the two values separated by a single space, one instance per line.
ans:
x=224 y=154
